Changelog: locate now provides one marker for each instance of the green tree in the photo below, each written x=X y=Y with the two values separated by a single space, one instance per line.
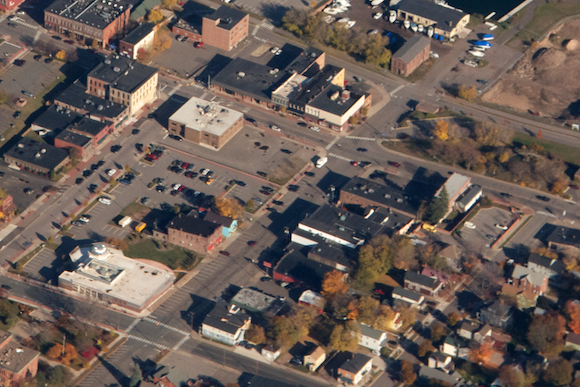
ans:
x=374 y=259
x=345 y=337
x=136 y=377
x=56 y=376
x=3 y=97
x=439 y=206
x=559 y=372
x=468 y=94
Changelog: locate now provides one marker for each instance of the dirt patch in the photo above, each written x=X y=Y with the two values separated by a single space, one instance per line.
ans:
x=540 y=83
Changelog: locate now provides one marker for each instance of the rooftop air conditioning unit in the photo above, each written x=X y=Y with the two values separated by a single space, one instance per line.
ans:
x=43 y=150
x=107 y=61
x=116 y=69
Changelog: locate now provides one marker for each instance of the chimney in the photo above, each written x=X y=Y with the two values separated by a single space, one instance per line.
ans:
x=345 y=95
x=450 y=23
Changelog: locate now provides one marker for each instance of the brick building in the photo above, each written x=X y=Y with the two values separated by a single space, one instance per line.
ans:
x=225 y=28
x=38 y=157
x=141 y=38
x=189 y=26
x=69 y=140
x=354 y=368
x=9 y=5
x=205 y=123
x=17 y=362
x=124 y=81
x=193 y=233
x=414 y=52
x=93 y=19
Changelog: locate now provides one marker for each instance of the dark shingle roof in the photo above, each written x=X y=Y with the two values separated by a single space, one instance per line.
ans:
x=412 y=48
x=443 y=16
x=406 y=293
x=222 y=319
x=296 y=265
x=140 y=32
x=193 y=225
x=356 y=363
x=37 y=153
x=553 y=264
x=218 y=219
x=421 y=279
x=228 y=17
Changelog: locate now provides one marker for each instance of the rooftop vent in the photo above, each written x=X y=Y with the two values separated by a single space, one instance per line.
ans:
x=107 y=61
x=100 y=107
x=20 y=145
x=399 y=200
x=387 y=196
x=241 y=74
x=345 y=95
x=43 y=150
x=116 y=69
x=334 y=96
x=37 y=155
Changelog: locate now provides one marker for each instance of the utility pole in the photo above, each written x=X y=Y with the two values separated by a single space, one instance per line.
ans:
x=63 y=343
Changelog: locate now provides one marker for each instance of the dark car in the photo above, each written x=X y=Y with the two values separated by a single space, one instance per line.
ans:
x=574 y=186
x=176 y=138
x=37 y=57
x=94 y=167
x=266 y=188
x=293 y=188
x=363 y=164
x=507 y=195
x=19 y=62
x=251 y=243
x=544 y=198
x=265 y=192
x=362 y=149
x=125 y=181
x=135 y=131
x=302 y=124
x=28 y=191
x=278 y=202
x=240 y=183
x=11 y=24
x=6 y=287
x=48 y=60
x=56 y=37
x=100 y=163
x=69 y=41
x=296 y=361
x=87 y=173
x=482 y=81
x=287 y=151
x=17 y=114
x=311 y=174
x=224 y=253
x=263 y=174
x=79 y=180
x=115 y=148
x=266 y=279
x=395 y=164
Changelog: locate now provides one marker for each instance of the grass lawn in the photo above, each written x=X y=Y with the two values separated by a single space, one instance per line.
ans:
x=568 y=153
x=135 y=208
x=175 y=257
x=545 y=17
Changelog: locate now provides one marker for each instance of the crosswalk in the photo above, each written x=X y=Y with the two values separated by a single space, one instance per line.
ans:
x=22 y=22
x=267 y=25
x=160 y=346
x=339 y=157
x=547 y=214
x=361 y=138
x=166 y=326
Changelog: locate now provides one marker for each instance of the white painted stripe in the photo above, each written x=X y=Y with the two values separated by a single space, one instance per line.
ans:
x=132 y=325
x=332 y=143
x=160 y=346
x=396 y=90
x=180 y=343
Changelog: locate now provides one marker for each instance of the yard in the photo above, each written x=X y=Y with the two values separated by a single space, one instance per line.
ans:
x=545 y=17
x=174 y=257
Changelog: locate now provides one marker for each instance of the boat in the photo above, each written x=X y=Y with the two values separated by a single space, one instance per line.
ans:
x=477 y=48
x=328 y=19
x=378 y=15
x=330 y=11
x=350 y=24
x=344 y=20
x=487 y=37
x=377 y=2
x=392 y=16
x=430 y=31
x=477 y=54
x=482 y=43
x=414 y=27
x=407 y=24
x=420 y=28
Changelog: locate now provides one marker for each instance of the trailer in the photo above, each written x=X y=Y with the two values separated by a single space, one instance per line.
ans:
x=125 y=221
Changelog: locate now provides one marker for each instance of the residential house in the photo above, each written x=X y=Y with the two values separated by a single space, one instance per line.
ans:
x=573 y=341
x=408 y=296
x=312 y=299
x=225 y=324
x=496 y=314
x=314 y=358
x=525 y=285
x=455 y=185
x=141 y=38
x=270 y=352
x=256 y=301
x=354 y=368
x=37 y=157
x=564 y=239
x=446 y=21
x=423 y=284
x=295 y=267
x=435 y=274
x=467 y=329
x=499 y=340
x=551 y=268
x=371 y=338
x=427 y=373
x=17 y=362
x=228 y=224
x=484 y=332
x=469 y=198
x=192 y=233
x=86 y=21
x=495 y=361
x=440 y=360
x=450 y=347
x=410 y=56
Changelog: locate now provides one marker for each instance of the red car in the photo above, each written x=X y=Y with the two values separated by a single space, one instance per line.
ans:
x=180 y=189
x=263 y=192
x=354 y=163
x=225 y=253
x=395 y=164
x=198 y=45
x=251 y=243
x=573 y=186
x=69 y=42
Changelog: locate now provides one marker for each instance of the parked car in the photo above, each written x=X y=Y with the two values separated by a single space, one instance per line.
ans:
x=543 y=198
x=275 y=128
x=135 y=131
x=394 y=164
x=111 y=172
x=222 y=252
x=105 y=200
x=27 y=93
x=315 y=128
x=28 y=191
x=362 y=149
x=198 y=45
x=251 y=243
x=79 y=180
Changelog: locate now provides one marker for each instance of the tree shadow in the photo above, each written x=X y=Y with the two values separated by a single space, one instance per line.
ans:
x=123 y=379
x=273 y=11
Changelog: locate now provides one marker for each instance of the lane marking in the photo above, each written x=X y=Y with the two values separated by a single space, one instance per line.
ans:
x=392 y=93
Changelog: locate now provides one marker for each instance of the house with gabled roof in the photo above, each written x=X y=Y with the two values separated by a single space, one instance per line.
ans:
x=355 y=368
x=422 y=284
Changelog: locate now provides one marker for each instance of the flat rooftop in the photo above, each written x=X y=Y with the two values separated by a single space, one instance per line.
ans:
x=56 y=118
x=252 y=300
x=122 y=73
x=93 y=13
x=228 y=17
x=454 y=184
x=293 y=83
x=76 y=96
x=305 y=60
x=204 y=116
x=330 y=100
x=37 y=153
x=138 y=33
x=14 y=357
x=445 y=18
x=107 y=270
x=73 y=138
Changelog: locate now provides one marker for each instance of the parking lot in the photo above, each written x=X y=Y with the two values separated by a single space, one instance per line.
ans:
x=485 y=225
x=15 y=182
x=42 y=266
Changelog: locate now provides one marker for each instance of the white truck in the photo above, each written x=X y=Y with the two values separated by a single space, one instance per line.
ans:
x=321 y=161
x=125 y=221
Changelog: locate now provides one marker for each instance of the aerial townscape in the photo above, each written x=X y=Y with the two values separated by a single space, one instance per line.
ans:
x=285 y=193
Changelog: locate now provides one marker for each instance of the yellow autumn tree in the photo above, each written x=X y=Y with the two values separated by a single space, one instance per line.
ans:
x=155 y=16
x=61 y=55
x=333 y=284
x=468 y=94
x=228 y=207
x=441 y=130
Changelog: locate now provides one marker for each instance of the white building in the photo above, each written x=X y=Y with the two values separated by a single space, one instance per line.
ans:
x=226 y=323
x=103 y=273
x=371 y=338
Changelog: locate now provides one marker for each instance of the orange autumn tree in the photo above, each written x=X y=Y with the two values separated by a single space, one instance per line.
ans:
x=70 y=353
x=55 y=351
x=482 y=354
x=573 y=311
x=333 y=284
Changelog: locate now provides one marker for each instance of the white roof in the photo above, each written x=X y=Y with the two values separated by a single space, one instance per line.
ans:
x=311 y=298
x=106 y=270
x=454 y=184
x=533 y=277
x=209 y=117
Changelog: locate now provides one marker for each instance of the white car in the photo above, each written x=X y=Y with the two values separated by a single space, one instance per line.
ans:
x=84 y=219
x=111 y=172
x=501 y=227
x=378 y=15
x=274 y=50
x=176 y=186
x=105 y=200
x=433 y=54
x=470 y=225
x=275 y=128
x=315 y=128
x=205 y=171
x=21 y=13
